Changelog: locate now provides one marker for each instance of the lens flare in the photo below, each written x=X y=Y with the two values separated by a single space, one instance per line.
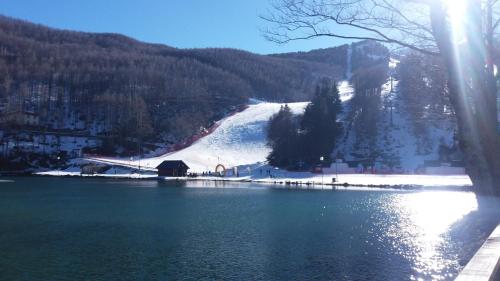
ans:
x=456 y=10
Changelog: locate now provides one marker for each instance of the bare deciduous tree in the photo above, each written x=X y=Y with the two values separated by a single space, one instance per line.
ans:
x=401 y=22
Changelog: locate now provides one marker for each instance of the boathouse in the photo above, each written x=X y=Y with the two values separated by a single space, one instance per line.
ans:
x=172 y=168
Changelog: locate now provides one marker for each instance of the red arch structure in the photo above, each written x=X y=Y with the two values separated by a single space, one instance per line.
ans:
x=220 y=169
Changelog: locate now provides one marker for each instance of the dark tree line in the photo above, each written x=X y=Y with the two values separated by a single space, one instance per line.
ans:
x=274 y=78
x=299 y=142
x=365 y=109
x=423 y=84
x=368 y=53
x=364 y=54
x=367 y=102
x=283 y=138
x=334 y=56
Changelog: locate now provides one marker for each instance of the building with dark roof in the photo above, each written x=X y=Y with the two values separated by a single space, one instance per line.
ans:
x=172 y=168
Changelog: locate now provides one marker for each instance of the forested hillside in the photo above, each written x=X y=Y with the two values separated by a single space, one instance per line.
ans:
x=400 y=118
x=272 y=78
x=332 y=56
x=351 y=58
x=114 y=86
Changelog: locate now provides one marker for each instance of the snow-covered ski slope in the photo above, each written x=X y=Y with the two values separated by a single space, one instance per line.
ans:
x=239 y=140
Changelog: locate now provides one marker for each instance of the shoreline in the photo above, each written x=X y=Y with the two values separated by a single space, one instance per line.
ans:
x=284 y=183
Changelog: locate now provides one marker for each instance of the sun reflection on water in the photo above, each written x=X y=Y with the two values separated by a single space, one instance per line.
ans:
x=425 y=219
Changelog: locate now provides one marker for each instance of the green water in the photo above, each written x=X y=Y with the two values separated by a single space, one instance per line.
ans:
x=86 y=229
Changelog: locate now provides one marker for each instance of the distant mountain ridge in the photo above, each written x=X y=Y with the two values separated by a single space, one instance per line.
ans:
x=320 y=56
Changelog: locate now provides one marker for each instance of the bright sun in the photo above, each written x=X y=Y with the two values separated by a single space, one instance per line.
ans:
x=456 y=9
x=456 y=15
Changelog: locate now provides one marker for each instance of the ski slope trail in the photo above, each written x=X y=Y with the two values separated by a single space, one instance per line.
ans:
x=239 y=140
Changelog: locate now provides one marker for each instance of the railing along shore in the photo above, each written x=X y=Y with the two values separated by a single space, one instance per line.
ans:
x=485 y=265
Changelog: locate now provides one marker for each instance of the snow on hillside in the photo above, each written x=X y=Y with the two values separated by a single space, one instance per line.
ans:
x=403 y=139
x=346 y=91
x=399 y=138
x=239 y=140
x=395 y=139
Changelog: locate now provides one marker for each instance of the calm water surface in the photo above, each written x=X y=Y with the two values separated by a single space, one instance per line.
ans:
x=76 y=229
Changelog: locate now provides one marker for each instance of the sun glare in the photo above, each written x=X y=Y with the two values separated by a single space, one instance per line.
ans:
x=428 y=217
x=456 y=10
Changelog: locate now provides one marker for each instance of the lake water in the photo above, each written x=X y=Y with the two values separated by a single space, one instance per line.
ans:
x=94 y=229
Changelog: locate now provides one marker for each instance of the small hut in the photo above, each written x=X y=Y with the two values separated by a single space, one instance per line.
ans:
x=172 y=168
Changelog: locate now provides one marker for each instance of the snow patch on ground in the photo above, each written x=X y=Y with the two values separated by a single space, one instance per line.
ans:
x=305 y=178
x=346 y=91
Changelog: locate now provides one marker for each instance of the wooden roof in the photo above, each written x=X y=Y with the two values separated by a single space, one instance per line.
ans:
x=172 y=164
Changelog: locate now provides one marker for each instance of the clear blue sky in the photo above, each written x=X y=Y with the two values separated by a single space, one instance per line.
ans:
x=178 y=23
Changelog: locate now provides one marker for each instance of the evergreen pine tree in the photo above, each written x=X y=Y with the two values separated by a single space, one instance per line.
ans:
x=282 y=138
x=319 y=124
x=297 y=142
